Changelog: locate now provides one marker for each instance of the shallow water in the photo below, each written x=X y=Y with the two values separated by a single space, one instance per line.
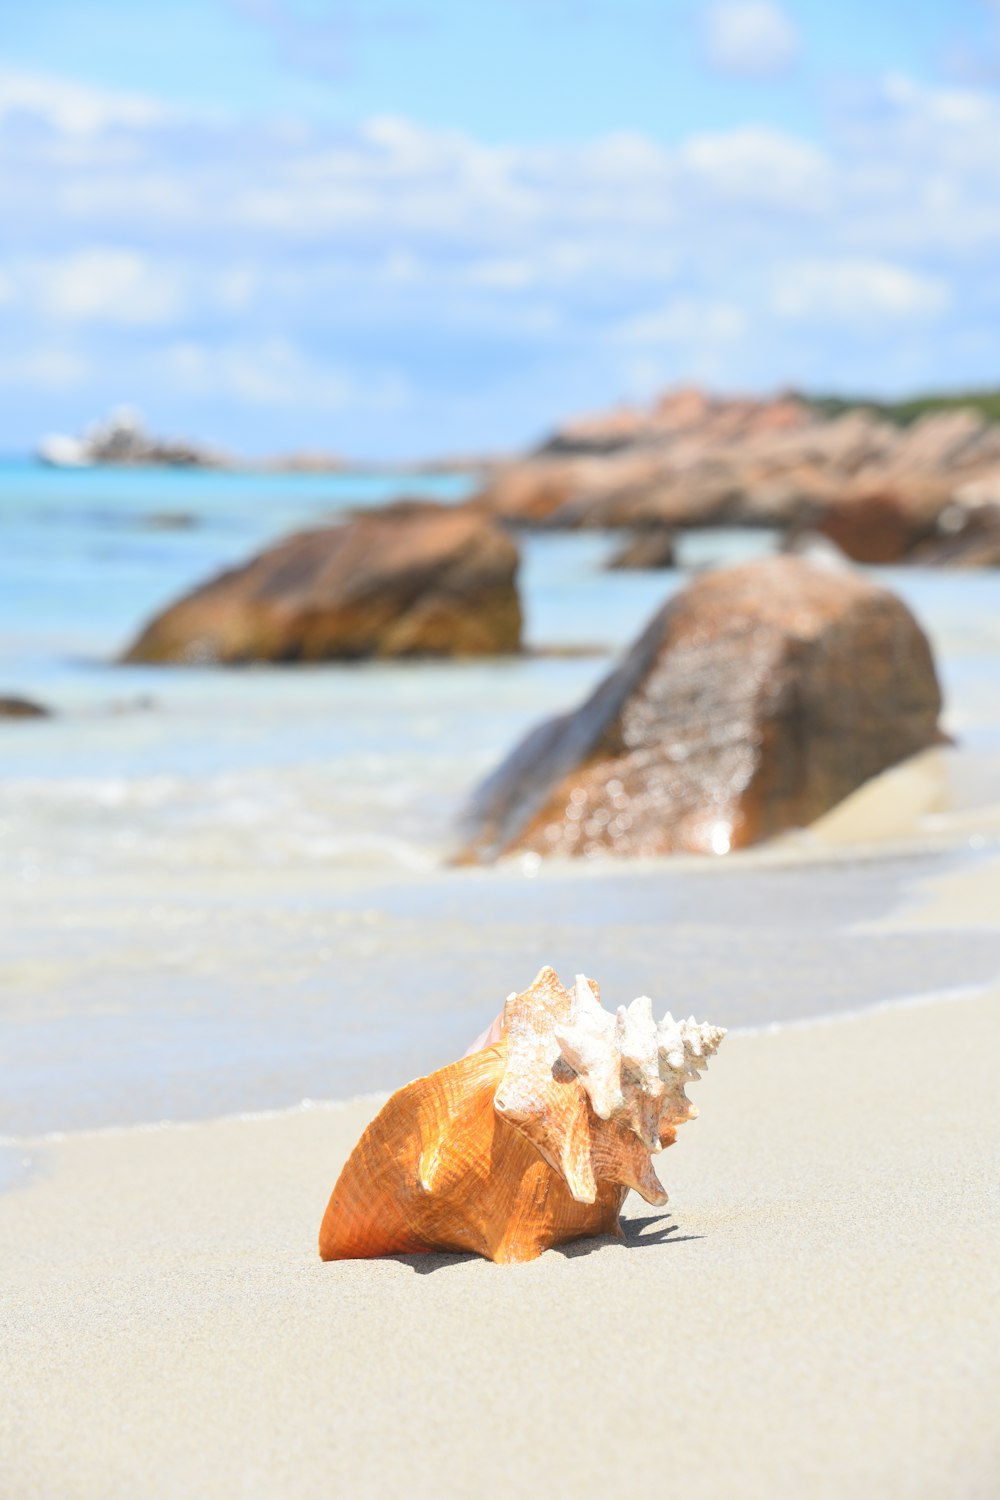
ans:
x=225 y=890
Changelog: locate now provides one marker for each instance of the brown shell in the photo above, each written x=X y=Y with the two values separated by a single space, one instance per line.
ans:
x=502 y=1153
x=439 y=1169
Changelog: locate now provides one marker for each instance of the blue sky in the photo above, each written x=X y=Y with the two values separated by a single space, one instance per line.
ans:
x=415 y=226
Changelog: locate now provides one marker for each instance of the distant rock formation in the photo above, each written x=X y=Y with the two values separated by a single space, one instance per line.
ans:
x=650 y=548
x=22 y=708
x=880 y=525
x=416 y=580
x=307 y=461
x=121 y=438
x=167 y=520
x=753 y=702
x=967 y=536
x=874 y=487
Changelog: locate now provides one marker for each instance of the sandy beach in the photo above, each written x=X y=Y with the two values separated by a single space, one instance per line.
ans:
x=816 y=1311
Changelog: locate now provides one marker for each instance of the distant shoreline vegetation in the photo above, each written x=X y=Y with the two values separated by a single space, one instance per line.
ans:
x=903 y=413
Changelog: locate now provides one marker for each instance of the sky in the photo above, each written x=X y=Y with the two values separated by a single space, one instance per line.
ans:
x=400 y=228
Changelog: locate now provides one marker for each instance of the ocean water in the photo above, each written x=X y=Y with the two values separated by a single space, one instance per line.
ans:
x=224 y=890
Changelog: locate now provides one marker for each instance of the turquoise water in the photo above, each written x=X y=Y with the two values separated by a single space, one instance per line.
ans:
x=223 y=890
x=89 y=553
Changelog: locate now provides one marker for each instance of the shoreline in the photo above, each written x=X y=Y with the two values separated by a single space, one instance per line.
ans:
x=820 y=1298
x=318 y=997
x=374 y=1099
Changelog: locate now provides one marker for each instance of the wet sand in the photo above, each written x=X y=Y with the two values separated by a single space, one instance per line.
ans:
x=817 y=1311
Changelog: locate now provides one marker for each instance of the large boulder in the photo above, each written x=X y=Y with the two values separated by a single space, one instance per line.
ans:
x=753 y=702
x=415 y=580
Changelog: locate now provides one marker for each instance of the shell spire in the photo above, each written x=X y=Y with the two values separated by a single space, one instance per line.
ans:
x=528 y=1142
x=633 y=1069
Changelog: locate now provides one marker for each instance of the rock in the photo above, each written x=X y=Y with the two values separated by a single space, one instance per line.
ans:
x=753 y=702
x=968 y=536
x=650 y=548
x=22 y=708
x=708 y=497
x=942 y=440
x=168 y=520
x=692 y=460
x=545 y=491
x=602 y=432
x=307 y=461
x=882 y=524
x=982 y=491
x=122 y=439
x=677 y=414
x=421 y=581
x=695 y=460
x=405 y=507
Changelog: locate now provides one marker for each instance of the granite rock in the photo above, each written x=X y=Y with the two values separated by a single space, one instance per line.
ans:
x=416 y=580
x=754 y=701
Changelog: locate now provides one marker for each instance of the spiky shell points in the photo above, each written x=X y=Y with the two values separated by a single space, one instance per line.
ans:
x=528 y=1143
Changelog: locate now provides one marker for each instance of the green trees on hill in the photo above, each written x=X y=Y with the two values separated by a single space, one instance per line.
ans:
x=905 y=412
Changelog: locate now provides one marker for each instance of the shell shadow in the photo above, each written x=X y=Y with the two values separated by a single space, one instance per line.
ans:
x=424 y=1262
x=660 y=1230
x=637 y=1234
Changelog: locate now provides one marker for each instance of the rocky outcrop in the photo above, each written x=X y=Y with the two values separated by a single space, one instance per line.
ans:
x=753 y=702
x=417 y=580
x=532 y=492
x=306 y=461
x=651 y=548
x=681 y=413
x=121 y=439
x=21 y=708
x=915 y=517
x=692 y=460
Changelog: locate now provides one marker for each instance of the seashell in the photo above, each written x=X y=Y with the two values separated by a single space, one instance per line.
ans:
x=527 y=1143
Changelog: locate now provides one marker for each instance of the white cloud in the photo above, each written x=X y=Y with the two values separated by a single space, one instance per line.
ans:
x=238 y=287
x=754 y=163
x=100 y=285
x=750 y=38
x=859 y=290
x=73 y=108
x=403 y=268
x=939 y=106
x=506 y=275
x=685 y=320
x=559 y=267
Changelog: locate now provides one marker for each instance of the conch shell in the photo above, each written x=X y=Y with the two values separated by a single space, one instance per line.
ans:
x=525 y=1144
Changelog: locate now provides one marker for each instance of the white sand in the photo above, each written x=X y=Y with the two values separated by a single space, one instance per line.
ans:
x=962 y=898
x=816 y=1314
